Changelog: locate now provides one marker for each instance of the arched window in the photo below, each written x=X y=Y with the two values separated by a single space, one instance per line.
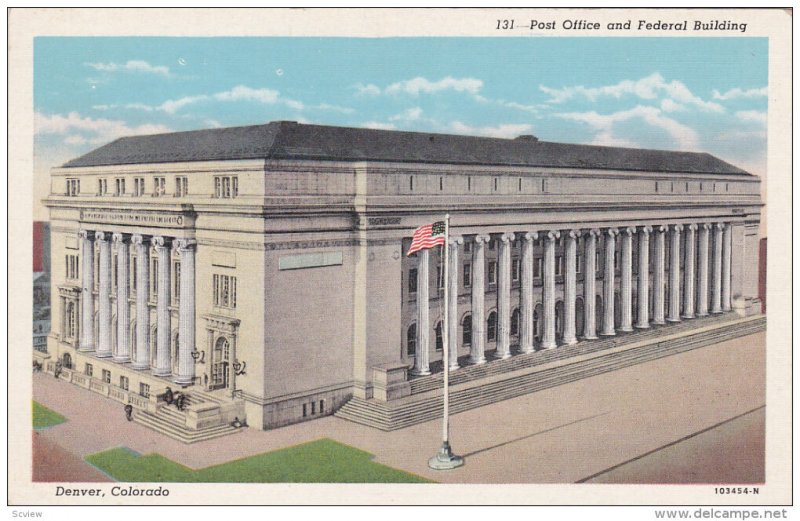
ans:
x=491 y=327
x=515 y=322
x=438 y=330
x=466 y=334
x=411 y=340
x=66 y=361
x=537 y=322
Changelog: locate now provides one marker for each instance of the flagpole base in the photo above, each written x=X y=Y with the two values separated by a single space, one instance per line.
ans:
x=445 y=459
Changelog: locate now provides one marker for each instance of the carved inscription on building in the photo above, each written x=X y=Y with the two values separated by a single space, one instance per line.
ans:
x=383 y=221
x=109 y=217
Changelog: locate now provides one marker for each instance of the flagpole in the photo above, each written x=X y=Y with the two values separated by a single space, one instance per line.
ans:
x=444 y=459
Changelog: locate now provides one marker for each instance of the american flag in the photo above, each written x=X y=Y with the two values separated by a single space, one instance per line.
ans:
x=427 y=236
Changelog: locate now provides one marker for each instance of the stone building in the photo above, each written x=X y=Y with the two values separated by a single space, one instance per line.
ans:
x=262 y=271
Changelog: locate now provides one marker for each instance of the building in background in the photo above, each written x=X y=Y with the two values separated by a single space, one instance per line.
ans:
x=41 y=285
x=262 y=270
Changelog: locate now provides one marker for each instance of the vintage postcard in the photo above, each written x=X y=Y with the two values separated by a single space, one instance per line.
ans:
x=400 y=256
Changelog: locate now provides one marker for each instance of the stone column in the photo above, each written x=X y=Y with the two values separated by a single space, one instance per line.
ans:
x=122 y=351
x=549 y=311
x=716 y=294
x=688 y=273
x=608 y=284
x=504 y=297
x=570 y=283
x=163 y=356
x=727 y=238
x=142 y=358
x=643 y=292
x=421 y=358
x=626 y=282
x=87 y=291
x=476 y=355
x=589 y=285
x=526 y=309
x=104 y=297
x=702 y=271
x=452 y=312
x=186 y=329
x=658 y=276
x=675 y=274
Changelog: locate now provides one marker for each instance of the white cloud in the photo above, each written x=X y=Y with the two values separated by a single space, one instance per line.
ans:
x=649 y=88
x=411 y=114
x=668 y=105
x=508 y=130
x=244 y=93
x=334 y=108
x=81 y=130
x=367 y=90
x=752 y=116
x=739 y=93
x=419 y=85
x=130 y=66
x=608 y=139
x=378 y=125
x=685 y=137
x=172 y=106
x=533 y=109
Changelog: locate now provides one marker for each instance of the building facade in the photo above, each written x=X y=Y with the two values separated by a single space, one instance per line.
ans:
x=264 y=268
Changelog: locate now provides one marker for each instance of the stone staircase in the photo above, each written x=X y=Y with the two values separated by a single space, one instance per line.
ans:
x=479 y=385
x=168 y=420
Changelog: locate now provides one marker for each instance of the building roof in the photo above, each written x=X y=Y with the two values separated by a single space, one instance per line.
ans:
x=290 y=140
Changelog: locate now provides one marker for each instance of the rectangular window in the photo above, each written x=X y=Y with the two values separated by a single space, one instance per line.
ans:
x=73 y=187
x=469 y=184
x=144 y=390
x=468 y=247
x=596 y=261
x=114 y=265
x=88 y=370
x=132 y=278
x=181 y=186
x=159 y=186
x=313 y=407
x=226 y=187
x=321 y=406
x=176 y=282
x=153 y=277
x=412 y=280
x=305 y=411
x=467 y=275
x=411 y=183
x=559 y=265
x=491 y=244
x=441 y=184
x=537 y=267
x=102 y=186
x=138 y=186
x=107 y=376
x=579 y=264
x=123 y=382
x=71 y=266
x=492 y=272
x=515 y=270
x=439 y=277
x=224 y=291
x=120 y=186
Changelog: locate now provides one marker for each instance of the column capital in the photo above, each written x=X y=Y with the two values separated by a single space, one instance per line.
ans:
x=553 y=235
x=647 y=229
x=595 y=232
x=692 y=227
x=530 y=236
x=139 y=239
x=719 y=226
x=456 y=239
x=120 y=237
x=161 y=242
x=102 y=236
x=185 y=244
x=629 y=231
x=677 y=227
x=481 y=239
x=612 y=232
x=705 y=226
x=507 y=237
x=86 y=234
x=573 y=234
x=662 y=228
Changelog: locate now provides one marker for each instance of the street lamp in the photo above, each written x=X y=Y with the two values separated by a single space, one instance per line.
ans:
x=199 y=356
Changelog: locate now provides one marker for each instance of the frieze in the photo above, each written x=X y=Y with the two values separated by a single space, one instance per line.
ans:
x=120 y=217
x=383 y=221
x=300 y=245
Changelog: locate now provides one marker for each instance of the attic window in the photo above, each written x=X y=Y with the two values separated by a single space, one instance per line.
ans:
x=411 y=183
x=519 y=186
x=495 y=184
x=441 y=184
x=469 y=183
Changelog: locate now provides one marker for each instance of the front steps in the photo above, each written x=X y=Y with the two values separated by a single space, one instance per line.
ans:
x=479 y=385
x=168 y=420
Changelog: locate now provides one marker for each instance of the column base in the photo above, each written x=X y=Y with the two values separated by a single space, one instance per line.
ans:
x=502 y=356
x=478 y=361
x=527 y=349
x=85 y=349
x=590 y=337
x=702 y=315
x=121 y=359
x=162 y=372
x=420 y=372
x=717 y=312
x=569 y=341
x=102 y=354
x=642 y=326
x=673 y=319
x=140 y=367
x=608 y=333
x=549 y=345
x=626 y=329
x=454 y=367
x=688 y=315
x=183 y=380
x=725 y=310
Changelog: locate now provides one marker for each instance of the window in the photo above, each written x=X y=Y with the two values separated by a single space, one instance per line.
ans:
x=144 y=390
x=114 y=274
x=519 y=184
x=71 y=322
x=579 y=264
x=469 y=184
x=515 y=270
x=616 y=261
x=88 y=370
x=491 y=327
x=107 y=376
x=71 y=262
x=226 y=187
x=123 y=382
x=225 y=291
x=411 y=340
x=411 y=183
x=73 y=187
x=537 y=268
x=441 y=184
x=466 y=330
x=153 y=277
x=467 y=275
x=176 y=281
x=439 y=277
x=313 y=407
x=491 y=244
x=495 y=184
x=559 y=265
x=321 y=406
x=102 y=186
x=132 y=278
x=514 y=330
x=492 y=272
x=596 y=261
x=138 y=186
x=468 y=247
x=120 y=186
x=305 y=410
x=181 y=186
x=438 y=330
x=412 y=280
x=159 y=186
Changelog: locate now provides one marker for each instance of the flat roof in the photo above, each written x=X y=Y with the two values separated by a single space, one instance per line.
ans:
x=291 y=140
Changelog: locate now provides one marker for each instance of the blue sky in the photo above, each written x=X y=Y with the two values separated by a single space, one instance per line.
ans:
x=700 y=94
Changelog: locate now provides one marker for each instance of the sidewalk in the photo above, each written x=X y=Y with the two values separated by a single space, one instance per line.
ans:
x=559 y=435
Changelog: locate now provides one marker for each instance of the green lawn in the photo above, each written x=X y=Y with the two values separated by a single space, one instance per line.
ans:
x=319 y=461
x=44 y=417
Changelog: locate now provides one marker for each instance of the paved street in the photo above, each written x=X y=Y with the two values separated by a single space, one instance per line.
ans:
x=619 y=427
